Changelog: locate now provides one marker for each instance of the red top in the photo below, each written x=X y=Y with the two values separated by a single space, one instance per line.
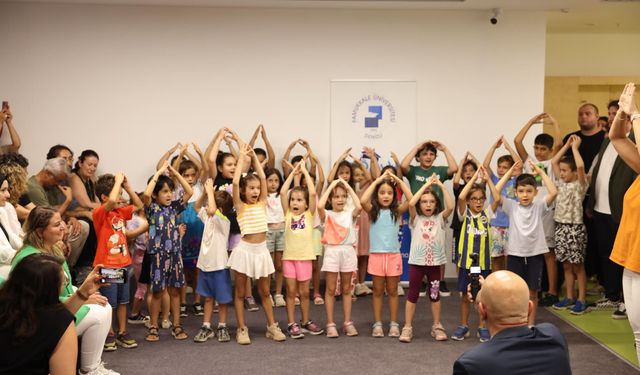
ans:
x=112 y=250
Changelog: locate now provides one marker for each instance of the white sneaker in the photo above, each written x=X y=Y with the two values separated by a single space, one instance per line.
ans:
x=280 y=302
x=166 y=324
x=400 y=290
x=100 y=370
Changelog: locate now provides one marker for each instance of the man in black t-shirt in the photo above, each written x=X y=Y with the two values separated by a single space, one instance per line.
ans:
x=590 y=133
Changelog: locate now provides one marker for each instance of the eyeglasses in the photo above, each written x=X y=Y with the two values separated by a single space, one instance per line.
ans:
x=477 y=199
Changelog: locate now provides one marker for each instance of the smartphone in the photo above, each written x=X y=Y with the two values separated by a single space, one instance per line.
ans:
x=113 y=275
x=5 y=105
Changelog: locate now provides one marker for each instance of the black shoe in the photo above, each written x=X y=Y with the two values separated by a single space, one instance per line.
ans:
x=548 y=300
x=444 y=291
x=620 y=313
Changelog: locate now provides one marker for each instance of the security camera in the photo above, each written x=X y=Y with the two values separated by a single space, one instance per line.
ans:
x=494 y=15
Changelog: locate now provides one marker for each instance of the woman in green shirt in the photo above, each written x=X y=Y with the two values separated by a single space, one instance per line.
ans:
x=43 y=233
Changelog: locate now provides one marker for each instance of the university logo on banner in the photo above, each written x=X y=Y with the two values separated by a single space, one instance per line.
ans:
x=378 y=114
x=375 y=113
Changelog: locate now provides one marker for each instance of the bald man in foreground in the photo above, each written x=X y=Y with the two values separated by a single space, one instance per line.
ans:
x=514 y=348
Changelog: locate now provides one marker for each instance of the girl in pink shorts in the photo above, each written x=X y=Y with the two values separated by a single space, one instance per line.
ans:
x=385 y=260
x=339 y=255
x=298 y=256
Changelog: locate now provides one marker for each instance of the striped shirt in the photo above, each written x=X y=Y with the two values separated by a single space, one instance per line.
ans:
x=253 y=218
x=475 y=237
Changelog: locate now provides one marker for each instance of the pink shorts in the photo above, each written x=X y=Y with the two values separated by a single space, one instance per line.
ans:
x=297 y=269
x=385 y=264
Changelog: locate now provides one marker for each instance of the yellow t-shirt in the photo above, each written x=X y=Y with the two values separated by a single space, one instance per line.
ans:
x=626 y=249
x=298 y=236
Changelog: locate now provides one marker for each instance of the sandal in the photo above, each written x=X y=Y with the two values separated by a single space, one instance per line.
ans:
x=349 y=329
x=152 y=335
x=332 y=331
x=317 y=299
x=179 y=333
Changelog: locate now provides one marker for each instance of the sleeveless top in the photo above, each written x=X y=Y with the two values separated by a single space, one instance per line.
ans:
x=475 y=237
x=383 y=233
x=253 y=219
x=298 y=236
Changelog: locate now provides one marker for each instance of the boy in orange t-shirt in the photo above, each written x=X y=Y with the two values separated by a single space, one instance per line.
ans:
x=112 y=252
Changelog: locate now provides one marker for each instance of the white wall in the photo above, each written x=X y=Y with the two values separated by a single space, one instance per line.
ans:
x=593 y=54
x=130 y=82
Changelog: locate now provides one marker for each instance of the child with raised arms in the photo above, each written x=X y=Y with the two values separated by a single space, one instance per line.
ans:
x=222 y=166
x=427 y=253
x=571 y=234
x=544 y=146
x=112 y=251
x=275 y=233
x=500 y=223
x=363 y=178
x=195 y=173
x=251 y=258
x=527 y=244
x=299 y=206
x=475 y=238
x=425 y=153
x=385 y=260
x=466 y=169
x=340 y=259
x=166 y=271
x=214 y=279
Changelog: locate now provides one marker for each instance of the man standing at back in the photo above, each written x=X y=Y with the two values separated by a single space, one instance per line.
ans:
x=514 y=348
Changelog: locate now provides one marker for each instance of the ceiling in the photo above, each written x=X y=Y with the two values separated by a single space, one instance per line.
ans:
x=564 y=16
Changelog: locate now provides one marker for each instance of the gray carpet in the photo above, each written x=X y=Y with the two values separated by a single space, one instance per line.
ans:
x=344 y=355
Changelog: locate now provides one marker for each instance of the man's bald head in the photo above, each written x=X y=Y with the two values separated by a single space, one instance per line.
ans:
x=504 y=298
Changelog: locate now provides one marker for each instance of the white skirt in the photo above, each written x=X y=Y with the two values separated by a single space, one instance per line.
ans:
x=251 y=259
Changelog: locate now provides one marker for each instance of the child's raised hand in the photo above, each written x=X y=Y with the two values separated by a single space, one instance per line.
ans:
x=439 y=146
x=246 y=149
x=346 y=153
x=119 y=178
x=184 y=148
x=196 y=147
x=208 y=184
x=535 y=170
x=288 y=164
x=575 y=141
x=627 y=101
x=164 y=166
x=305 y=144
x=498 y=142
x=539 y=118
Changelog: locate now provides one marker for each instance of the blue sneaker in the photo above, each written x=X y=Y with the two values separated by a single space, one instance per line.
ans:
x=564 y=304
x=460 y=333
x=579 y=308
x=484 y=334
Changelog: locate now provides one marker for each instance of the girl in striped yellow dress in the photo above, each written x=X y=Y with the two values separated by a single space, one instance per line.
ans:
x=474 y=238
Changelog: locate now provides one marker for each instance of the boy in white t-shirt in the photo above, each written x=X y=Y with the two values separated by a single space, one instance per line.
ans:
x=544 y=147
x=527 y=244
x=214 y=279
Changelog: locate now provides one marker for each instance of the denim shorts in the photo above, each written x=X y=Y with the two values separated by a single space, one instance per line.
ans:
x=118 y=294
